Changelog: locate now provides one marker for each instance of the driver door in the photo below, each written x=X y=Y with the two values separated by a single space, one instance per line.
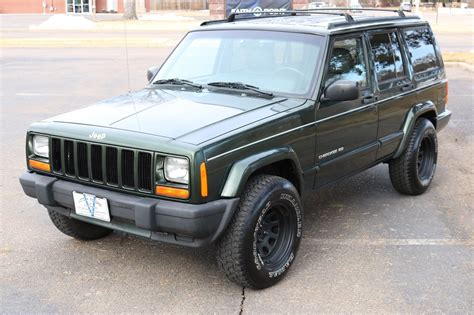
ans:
x=346 y=131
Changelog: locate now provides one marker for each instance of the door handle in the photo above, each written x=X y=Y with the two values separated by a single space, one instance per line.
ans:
x=406 y=87
x=369 y=99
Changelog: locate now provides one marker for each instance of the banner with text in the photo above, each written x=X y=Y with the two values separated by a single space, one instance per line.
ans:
x=257 y=6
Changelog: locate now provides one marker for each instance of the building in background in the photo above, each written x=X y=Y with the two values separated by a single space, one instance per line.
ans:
x=70 y=6
x=97 y=6
x=217 y=8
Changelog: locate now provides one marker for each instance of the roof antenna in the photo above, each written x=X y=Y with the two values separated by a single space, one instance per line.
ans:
x=128 y=75
x=126 y=54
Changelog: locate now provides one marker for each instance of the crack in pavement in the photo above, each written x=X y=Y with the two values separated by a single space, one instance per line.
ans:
x=242 y=301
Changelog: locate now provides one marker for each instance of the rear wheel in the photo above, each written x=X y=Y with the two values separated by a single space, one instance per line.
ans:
x=77 y=229
x=261 y=242
x=412 y=172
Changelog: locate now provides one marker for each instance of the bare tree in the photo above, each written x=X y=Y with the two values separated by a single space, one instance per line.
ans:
x=130 y=10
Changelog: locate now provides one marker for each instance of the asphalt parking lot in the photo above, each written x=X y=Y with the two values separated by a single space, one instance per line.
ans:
x=366 y=248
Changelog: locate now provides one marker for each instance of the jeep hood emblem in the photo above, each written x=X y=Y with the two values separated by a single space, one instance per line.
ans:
x=97 y=136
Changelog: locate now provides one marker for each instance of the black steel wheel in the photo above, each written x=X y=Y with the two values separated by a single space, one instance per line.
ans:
x=263 y=237
x=425 y=158
x=413 y=171
x=274 y=237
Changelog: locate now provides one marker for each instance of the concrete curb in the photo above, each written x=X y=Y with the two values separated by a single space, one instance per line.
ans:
x=86 y=42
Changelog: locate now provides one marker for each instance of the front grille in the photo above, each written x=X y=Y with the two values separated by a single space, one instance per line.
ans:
x=103 y=164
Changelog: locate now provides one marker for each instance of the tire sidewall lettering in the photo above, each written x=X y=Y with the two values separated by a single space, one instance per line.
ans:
x=256 y=257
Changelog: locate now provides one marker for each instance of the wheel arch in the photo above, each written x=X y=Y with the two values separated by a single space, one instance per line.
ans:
x=422 y=110
x=280 y=162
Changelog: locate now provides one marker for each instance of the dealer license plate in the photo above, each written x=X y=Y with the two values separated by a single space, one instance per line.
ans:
x=91 y=206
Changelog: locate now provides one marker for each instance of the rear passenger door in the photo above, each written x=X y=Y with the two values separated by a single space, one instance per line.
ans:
x=394 y=87
x=346 y=130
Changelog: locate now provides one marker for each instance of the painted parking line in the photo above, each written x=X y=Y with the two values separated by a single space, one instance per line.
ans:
x=391 y=242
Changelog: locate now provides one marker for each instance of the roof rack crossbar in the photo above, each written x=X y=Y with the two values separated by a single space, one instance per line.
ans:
x=328 y=11
x=250 y=16
x=398 y=11
x=379 y=19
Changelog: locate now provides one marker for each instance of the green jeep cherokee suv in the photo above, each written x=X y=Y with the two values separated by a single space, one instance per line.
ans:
x=245 y=116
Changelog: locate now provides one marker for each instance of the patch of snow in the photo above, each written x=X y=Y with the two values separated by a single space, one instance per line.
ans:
x=65 y=22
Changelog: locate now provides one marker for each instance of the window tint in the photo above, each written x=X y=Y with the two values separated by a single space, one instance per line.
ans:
x=387 y=56
x=420 y=46
x=347 y=62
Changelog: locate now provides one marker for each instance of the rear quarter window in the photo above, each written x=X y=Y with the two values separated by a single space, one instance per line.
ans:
x=421 y=49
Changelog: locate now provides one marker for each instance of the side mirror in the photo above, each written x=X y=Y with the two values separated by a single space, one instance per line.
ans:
x=342 y=90
x=151 y=73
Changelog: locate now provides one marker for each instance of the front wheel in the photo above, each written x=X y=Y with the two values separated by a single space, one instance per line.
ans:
x=262 y=239
x=412 y=172
x=77 y=229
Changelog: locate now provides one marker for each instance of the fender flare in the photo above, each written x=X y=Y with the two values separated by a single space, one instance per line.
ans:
x=415 y=112
x=243 y=169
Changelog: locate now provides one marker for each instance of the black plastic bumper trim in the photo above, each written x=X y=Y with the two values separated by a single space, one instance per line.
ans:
x=192 y=225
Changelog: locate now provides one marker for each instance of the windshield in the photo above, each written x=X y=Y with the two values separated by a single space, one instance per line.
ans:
x=279 y=62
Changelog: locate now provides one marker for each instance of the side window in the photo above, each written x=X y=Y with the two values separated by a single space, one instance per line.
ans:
x=387 y=56
x=347 y=62
x=421 y=49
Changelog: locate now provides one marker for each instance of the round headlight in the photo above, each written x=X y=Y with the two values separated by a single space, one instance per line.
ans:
x=177 y=170
x=41 y=146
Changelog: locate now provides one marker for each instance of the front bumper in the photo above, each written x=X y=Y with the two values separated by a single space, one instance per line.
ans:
x=192 y=225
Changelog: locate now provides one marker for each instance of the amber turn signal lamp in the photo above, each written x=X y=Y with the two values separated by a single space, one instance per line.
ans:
x=203 y=170
x=39 y=165
x=172 y=192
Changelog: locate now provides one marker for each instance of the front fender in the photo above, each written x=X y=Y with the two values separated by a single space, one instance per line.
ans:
x=243 y=169
x=415 y=112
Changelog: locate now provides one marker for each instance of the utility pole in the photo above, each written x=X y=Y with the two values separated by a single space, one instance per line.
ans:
x=130 y=10
x=94 y=10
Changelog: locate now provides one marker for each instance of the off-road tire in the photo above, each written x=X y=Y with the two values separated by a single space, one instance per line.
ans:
x=409 y=175
x=77 y=229
x=246 y=252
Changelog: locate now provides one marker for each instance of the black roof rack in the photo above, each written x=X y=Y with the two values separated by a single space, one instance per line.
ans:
x=305 y=12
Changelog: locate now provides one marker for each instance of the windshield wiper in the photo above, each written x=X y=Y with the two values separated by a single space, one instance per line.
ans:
x=178 y=82
x=240 y=86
